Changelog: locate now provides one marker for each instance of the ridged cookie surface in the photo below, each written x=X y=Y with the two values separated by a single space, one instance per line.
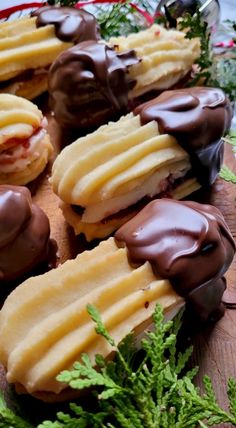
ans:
x=94 y=82
x=24 y=143
x=113 y=161
x=18 y=117
x=113 y=168
x=102 y=229
x=166 y=56
x=23 y=46
x=28 y=46
x=44 y=324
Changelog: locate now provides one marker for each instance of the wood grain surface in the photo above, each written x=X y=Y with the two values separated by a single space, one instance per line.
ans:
x=214 y=346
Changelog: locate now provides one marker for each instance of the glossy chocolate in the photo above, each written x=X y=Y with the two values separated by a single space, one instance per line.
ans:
x=71 y=25
x=185 y=242
x=89 y=84
x=198 y=118
x=24 y=233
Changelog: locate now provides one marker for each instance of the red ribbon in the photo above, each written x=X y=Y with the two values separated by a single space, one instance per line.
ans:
x=5 y=13
x=144 y=13
x=80 y=4
x=229 y=44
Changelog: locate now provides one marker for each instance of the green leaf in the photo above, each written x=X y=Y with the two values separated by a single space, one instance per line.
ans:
x=149 y=389
x=227 y=174
x=232 y=395
x=195 y=26
x=8 y=419
x=231 y=138
x=209 y=389
x=100 y=327
x=183 y=358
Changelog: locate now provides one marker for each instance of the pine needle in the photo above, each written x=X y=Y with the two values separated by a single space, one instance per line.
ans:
x=150 y=388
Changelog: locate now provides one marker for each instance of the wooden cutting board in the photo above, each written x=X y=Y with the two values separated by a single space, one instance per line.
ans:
x=214 y=346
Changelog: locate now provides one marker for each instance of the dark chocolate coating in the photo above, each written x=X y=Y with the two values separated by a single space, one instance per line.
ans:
x=89 y=84
x=71 y=25
x=185 y=242
x=197 y=117
x=24 y=233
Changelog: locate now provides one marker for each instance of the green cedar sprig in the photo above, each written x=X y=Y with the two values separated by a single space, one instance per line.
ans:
x=118 y=18
x=69 y=3
x=8 y=419
x=150 y=388
x=152 y=391
x=121 y=18
x=213 y=70
x=225 y=172
x=223 y=75
x=223 y=71
x=195 y=26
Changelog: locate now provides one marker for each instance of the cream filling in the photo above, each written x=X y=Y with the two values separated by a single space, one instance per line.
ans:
x=155 y=184
x=24 y=155
x=164 y=83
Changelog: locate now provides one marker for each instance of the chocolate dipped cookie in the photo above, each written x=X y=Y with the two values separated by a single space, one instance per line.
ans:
x=171 y=146
x=28 y=46
x=170 y=253
x=25 y=242
x=25 y=146
x=95 y=82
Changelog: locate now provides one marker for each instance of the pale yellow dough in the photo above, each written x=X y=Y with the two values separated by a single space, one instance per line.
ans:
x=19 y=120
x=112 y=169
x=44 y=324
x=166 y=56
x=101 y=229
x=24 y=47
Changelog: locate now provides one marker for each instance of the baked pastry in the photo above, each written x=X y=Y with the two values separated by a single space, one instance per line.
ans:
x=95 y=82
x=24 y=239
x=169 y=146
x=25 y=145
x=44 y=325
x=29 y=45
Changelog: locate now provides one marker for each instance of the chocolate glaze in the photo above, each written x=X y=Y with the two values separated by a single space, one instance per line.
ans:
x=197 y=117
x=89 y=84
x=71 y=25
x=185 y=242
x=24 y=234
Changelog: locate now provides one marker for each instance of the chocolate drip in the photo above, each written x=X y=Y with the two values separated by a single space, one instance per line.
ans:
x=24 y=233
x=197 y=117
x=89 y=84
x=71 y=25
x=185 y=242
